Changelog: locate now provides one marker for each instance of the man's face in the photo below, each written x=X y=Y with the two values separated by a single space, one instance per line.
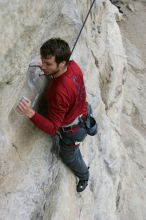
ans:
x=49 y=65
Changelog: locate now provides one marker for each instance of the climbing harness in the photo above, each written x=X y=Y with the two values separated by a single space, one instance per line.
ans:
x=82 y=27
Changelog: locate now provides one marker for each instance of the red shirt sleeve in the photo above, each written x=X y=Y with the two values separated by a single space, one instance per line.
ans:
x=57 y=110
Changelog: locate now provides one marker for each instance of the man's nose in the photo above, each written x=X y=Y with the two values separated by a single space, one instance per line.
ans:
x=43 y=67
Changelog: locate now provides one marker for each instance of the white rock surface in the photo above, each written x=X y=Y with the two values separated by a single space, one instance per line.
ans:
x=34 y=183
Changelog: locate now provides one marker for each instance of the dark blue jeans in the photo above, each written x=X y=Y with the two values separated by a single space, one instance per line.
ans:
x=70 y=152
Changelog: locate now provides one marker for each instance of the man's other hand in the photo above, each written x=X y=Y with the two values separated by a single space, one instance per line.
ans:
x=24 y=107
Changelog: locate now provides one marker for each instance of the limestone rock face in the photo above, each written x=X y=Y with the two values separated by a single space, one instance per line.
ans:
x=34 y=183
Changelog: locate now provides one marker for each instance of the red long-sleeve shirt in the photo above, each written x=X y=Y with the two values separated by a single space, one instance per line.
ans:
x=66 y=99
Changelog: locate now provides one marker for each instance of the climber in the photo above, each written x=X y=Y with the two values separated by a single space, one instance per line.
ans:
x=66 y=99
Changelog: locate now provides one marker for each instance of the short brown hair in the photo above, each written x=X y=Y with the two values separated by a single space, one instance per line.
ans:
x=56 y=47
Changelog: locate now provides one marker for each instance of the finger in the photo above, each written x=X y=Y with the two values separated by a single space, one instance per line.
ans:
x=25 y=100
x=22 y=107
x=24 y=103
x=19 y=110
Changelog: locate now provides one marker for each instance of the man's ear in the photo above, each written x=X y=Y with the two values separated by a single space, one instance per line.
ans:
x=63 y=63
